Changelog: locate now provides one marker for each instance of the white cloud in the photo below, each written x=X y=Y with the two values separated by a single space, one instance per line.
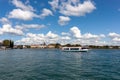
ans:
x=75 y=2
x=19 y=27
x=73 y=7
x=23 y=11
x=116 y=39
x=63 y=20
x=1 y=32
x=92 y=36
x=36 y=38
x=65 y=34
x=73 y=36
x=85 y=39
x=75 y=32
x=24 y=41
x=77 y=10
x=46 y=12
x=22 y=14
x=31 y=38
x=26 y=27
x=102 y=35
x=36 y=26
x=51 y=35
x=114 y=36
x=4 y=20
x=89 y=42
x=89 y=35
x=65 y=38
x=31 y=35
x=22 y=6
x=7 y=28
x=92 y=39
x=54 y=4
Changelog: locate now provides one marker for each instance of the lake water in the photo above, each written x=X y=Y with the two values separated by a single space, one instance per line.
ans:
x=53 y=64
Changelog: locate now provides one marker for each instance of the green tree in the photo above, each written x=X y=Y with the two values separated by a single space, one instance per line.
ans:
x=57 y=45
x=11 y=44
x=8 y=43
x=68 y=45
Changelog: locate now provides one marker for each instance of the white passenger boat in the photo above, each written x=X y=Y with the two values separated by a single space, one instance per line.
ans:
x=74 y=49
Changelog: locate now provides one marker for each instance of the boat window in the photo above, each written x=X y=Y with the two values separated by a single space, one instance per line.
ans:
x=84 y=48
x=66 y=48
x=74 y=48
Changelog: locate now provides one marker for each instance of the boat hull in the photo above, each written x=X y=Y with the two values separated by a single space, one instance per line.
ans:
x=74 y=49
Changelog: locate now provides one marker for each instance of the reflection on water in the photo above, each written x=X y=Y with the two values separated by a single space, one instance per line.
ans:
x=53 y=64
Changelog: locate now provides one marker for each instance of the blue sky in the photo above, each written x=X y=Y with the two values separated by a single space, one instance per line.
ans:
x=83 y=22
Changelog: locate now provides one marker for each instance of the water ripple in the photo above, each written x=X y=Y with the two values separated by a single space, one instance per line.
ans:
x=47 y=64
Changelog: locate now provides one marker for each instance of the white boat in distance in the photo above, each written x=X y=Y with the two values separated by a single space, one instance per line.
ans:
x=74 y=49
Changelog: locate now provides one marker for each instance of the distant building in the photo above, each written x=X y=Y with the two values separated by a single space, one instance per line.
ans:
x=110 y=47
x=1 y=46
x=1 y=43
x=119 y=47
x=24 y=46
x=51 y=46
x=15 y=47
x=38 y=46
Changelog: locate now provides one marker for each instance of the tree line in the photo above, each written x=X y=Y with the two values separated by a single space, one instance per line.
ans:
x=8 y=43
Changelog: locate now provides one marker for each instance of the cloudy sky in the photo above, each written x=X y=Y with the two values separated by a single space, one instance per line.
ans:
x=85 y=22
